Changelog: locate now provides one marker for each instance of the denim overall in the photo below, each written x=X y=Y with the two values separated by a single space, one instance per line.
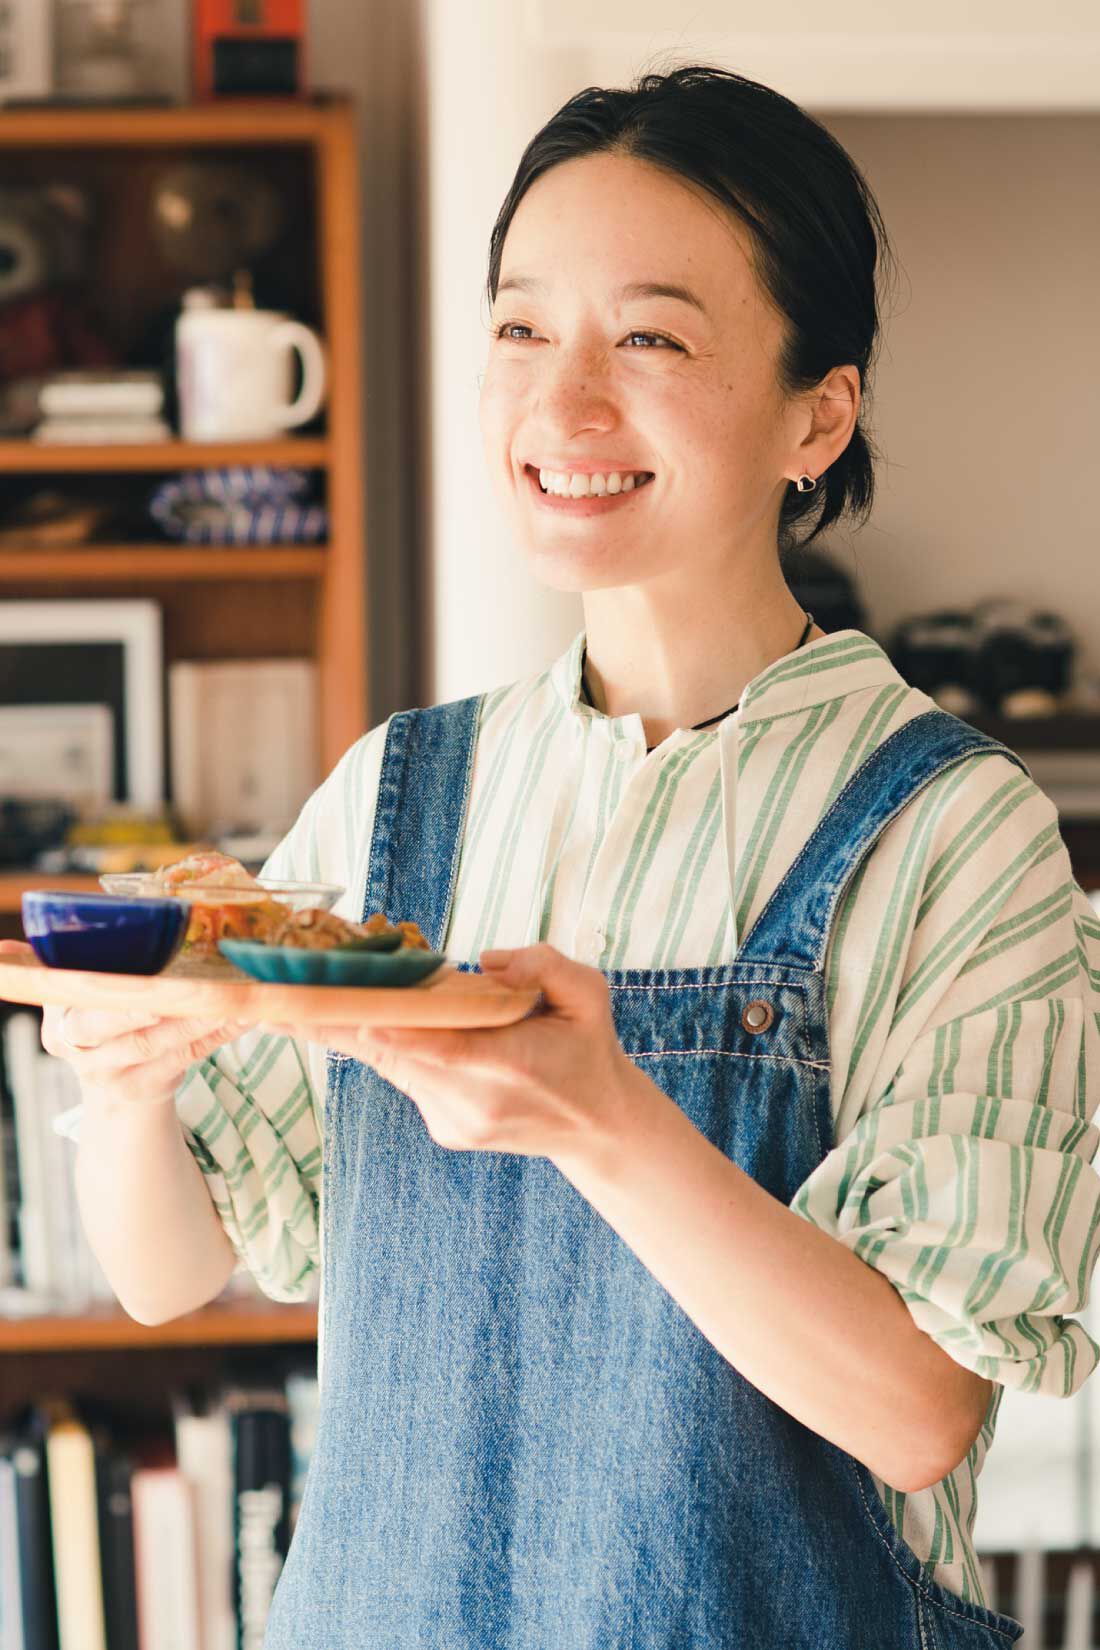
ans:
x=524 y=1442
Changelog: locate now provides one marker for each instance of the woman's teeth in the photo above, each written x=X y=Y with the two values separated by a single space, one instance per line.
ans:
x=576 y=485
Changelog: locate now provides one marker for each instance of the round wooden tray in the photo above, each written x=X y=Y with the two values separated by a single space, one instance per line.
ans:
x=218 y=992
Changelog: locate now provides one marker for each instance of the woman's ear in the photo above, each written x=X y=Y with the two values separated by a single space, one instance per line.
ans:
x=834 y=409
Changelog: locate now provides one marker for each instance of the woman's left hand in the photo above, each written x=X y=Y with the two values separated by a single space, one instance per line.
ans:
x=552 y=1085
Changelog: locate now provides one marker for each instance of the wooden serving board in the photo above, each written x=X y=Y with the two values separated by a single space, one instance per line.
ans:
x=218 y=992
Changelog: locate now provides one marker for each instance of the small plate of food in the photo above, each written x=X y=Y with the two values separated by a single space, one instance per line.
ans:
x=310 y=947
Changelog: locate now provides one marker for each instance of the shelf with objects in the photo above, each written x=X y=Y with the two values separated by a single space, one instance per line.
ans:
x=175 y=552
x=174 y=427
x=1012 y=671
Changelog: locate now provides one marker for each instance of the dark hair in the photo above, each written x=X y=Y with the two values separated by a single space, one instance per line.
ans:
x=816 y=231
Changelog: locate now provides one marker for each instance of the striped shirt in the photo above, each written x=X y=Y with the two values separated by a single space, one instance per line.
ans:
x=962 y=975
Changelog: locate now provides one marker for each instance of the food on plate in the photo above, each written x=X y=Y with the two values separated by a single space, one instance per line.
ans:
x=323 y=931
x=228 y=902
x=207 y=869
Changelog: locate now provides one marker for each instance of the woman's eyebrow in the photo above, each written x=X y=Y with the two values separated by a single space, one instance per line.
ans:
x=661 y=289
x=632 y=289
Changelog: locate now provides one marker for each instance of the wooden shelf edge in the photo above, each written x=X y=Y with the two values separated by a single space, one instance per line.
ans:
x=244 y=120
x=14 y=884
x=44 y=457
x=237 y=1323
x=97 y=562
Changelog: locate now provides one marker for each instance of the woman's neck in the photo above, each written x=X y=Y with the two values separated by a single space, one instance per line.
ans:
x=675 y=666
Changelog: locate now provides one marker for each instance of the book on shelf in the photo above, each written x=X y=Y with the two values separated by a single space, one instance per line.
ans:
x=74 y=1528
x=172 y=1539
x=260 y=1420
x=52 y=1260
x=114 y=1473
x=165 y=1548
x=204 y=1450
x=303 y=1400
x=30 y=1608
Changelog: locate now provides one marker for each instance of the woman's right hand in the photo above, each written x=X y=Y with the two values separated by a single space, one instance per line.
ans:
x=130 y=1058
x=135 y=1058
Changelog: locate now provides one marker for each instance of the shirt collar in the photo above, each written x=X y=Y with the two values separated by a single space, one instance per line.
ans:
x=830 y=668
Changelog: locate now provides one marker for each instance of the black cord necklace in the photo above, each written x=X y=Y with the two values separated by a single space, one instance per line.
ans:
x=695 y=727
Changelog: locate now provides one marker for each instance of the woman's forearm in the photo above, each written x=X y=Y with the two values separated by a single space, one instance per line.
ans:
x=145 y=1207
x=814 y=1328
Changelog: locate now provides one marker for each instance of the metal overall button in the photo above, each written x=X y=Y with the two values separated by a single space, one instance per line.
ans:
x=757 y=1016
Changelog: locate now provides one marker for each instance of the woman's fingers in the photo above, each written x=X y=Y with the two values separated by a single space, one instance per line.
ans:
x=148 y=1043
x=67 y=1029
x=13 y=948
x=157 y=1078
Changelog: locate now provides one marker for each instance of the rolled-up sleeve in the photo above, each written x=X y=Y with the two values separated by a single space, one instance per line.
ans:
x=967 y=1181
x=253 y=1113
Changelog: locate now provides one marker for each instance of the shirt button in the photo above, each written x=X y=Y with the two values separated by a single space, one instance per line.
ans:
x=594 y=943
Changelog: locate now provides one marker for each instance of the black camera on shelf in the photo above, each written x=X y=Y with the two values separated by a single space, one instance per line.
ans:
x=1001 y=657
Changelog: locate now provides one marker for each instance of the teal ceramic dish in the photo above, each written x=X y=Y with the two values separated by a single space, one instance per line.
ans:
x=291 y=965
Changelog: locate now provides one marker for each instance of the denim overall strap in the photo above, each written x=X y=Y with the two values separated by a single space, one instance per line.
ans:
x=419 y=830
x=792 y=931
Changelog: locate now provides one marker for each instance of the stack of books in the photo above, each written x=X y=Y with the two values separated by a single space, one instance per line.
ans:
x=166 y=1542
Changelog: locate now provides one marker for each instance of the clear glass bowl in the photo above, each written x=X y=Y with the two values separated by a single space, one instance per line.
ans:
x=219 y=911
x=299 y=896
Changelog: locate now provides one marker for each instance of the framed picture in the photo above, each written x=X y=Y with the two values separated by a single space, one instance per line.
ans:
x=60 y=753
x=94 y=653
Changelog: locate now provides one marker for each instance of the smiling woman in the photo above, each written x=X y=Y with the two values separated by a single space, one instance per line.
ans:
x=677 y=1313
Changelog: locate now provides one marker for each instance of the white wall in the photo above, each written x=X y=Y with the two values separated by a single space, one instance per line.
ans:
x=489 y=91
x=988 y=398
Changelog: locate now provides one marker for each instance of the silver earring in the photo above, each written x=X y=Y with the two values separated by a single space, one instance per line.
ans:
x=805 y=484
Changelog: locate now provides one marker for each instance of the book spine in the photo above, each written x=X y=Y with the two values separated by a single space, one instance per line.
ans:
x=303 y=1402
x=261 y=1495
x=164 y=1544
x=116 y=1537
x=204 y=1449
x=70 y=1464
x=11 y=1603
x=37 y=1592
x=57 y=1090
x=21 y=1039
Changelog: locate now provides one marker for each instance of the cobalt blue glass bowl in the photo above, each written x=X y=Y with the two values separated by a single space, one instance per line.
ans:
x=103 y=933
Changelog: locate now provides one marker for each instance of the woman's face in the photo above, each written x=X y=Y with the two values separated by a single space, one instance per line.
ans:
x=630 y=339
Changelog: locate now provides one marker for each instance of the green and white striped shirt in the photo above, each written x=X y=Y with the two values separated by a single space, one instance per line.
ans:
x=963 y=996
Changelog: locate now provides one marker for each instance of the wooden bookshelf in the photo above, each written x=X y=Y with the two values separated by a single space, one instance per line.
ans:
x=96 y=564
x=283 y=601
x=117 y=458
x=232 y=601
x=107 y=1329
x=14 y=884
